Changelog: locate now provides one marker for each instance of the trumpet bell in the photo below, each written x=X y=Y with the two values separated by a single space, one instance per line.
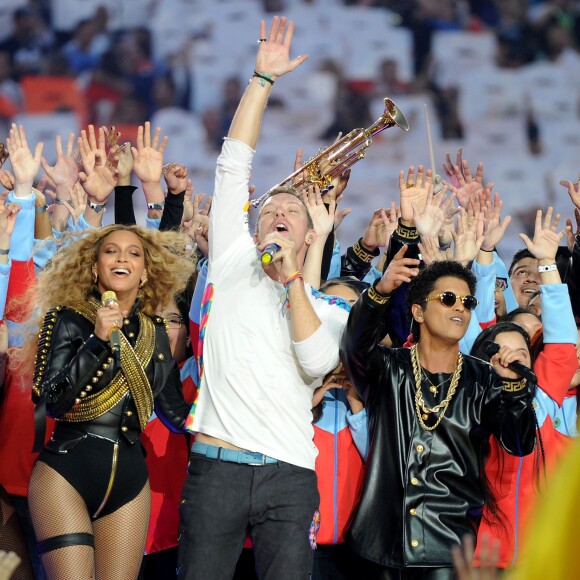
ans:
x=334 y=160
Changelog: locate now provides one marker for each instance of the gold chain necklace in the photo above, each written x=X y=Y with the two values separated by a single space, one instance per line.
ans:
x=433 y=388
x=422 y=410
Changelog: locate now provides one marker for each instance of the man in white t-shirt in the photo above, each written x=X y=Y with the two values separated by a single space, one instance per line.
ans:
x=266 y=340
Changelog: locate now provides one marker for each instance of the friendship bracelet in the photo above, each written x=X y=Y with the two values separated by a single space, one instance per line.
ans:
x=264 y=77
x=547 y=268
x=292 y=277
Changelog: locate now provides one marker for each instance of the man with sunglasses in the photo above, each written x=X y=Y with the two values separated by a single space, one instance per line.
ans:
x=431 y=413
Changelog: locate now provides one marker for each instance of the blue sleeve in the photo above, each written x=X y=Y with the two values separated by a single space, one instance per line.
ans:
x=151 y=223
x=501 y=271
x=372 y=275
x=22 y=238
x=359 y=429
x=485 y=290
x=473 y=330
x=334 y=270
x=195 y=307
x=557 y=318
x=80 y=226
x=4 y=278
x=43 y=252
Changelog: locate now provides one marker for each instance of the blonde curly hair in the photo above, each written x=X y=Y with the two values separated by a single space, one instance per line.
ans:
x=68 y=278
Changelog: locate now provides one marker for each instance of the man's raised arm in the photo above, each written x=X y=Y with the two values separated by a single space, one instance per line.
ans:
x=272 y=61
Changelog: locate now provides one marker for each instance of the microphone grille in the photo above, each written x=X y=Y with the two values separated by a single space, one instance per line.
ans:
x=108 y=296
x=491 y=347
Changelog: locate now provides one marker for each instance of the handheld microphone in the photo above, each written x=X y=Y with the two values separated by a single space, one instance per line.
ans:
x=492 y=348
x=109 y=298
x=268 y=253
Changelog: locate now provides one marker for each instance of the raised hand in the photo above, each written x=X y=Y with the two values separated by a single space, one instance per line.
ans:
x=571 y=234
x=273 y=58
x=493 y=227
x=112 y=136
x=196 y=226
x=380 y=229
x=431 y=252
x=489 y=557
x=431 y=218
x=148 y=155
x=468 y=237
x=8 y=213
x=64 y=173
x=101 y=179
x=546 y=239
x=125 y=167
x=449 y=167
x=469 y=186
x=6 y=179
x=78 y=202
x=89 y=146
x=175 y=176
x=400 y=270
x=573 y=191
x=323 y=218
x=25 y=165
x=413 y=191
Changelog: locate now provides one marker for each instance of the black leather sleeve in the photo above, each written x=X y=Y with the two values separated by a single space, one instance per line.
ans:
x=512 y=417
x=365 y=328
x=72 y=357
x=124 y=211
x=573 y=278
x=172 y=212
x=170 y=406
x=357 y=261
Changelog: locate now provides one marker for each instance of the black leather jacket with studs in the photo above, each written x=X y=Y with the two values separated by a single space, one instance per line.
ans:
x=78 y=363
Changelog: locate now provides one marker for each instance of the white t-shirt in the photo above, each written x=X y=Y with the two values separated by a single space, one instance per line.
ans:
x=257 y=384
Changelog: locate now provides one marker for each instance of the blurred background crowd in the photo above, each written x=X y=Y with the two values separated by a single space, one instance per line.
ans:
x=499 y=77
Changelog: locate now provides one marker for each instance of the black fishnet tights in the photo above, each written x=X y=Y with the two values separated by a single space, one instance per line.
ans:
x=56 y=508
x=12 y=538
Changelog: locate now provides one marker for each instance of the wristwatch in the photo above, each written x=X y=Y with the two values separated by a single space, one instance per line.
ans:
x=97 y=208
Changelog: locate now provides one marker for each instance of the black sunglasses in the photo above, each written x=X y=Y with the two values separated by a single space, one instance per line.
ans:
x=448 y=299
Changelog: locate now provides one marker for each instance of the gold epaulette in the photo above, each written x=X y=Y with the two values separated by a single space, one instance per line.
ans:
x=44 y=338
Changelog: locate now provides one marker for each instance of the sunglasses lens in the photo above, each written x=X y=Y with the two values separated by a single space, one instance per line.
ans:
x=448 y=299
x=470 y=302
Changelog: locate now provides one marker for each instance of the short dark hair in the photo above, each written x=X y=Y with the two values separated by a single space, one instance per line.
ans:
x=490 y=333
x=351 y=282
x=519 y=255
x=291 y=191
x=510 y=316
x=422 y=285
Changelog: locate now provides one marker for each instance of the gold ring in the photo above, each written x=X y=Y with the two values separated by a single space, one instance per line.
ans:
x=409 y=184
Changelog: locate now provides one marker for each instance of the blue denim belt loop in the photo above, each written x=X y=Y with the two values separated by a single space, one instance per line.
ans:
x=232 y=455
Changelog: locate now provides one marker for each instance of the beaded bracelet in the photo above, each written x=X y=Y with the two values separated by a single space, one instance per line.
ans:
x=264 y=77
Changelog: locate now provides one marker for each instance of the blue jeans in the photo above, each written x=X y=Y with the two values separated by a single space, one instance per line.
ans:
x=222 y=501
